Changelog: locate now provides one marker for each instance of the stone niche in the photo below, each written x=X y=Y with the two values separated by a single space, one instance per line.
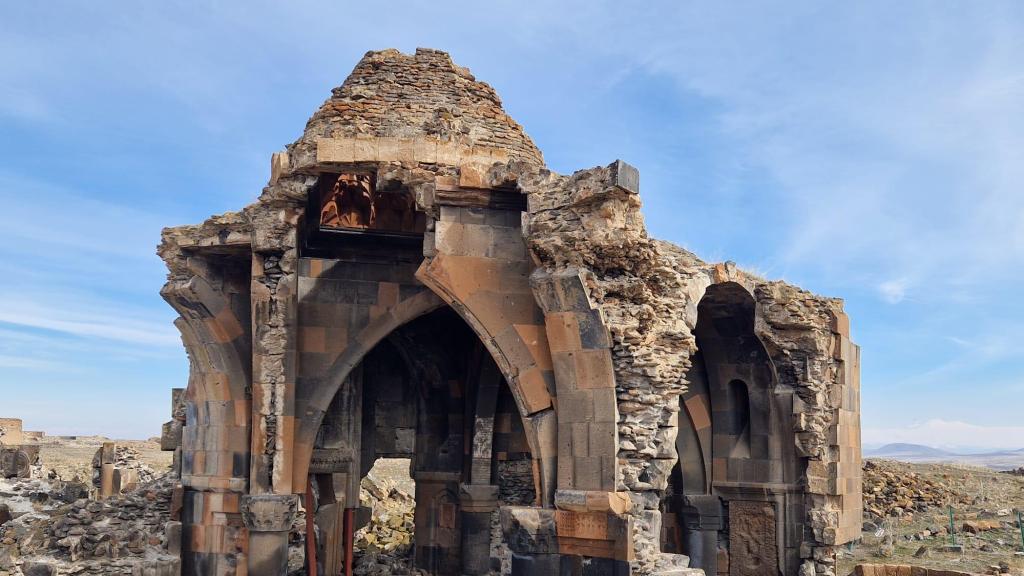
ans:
x=574 y=396
x=353 y=202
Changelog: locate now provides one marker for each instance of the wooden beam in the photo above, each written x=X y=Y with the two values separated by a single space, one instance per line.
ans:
x=500 y=199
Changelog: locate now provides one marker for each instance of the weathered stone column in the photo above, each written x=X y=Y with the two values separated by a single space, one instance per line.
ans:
x=273 y=387
x=274 y=313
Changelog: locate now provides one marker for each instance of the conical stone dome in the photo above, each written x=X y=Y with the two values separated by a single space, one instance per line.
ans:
x=394 y=95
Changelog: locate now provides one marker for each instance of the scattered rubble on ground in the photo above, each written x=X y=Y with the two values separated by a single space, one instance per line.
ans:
x=907 y=519
x=385 y=545
x=50 y=525
x=891 y=490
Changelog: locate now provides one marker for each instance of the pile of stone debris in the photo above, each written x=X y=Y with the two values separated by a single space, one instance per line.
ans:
x=385 y=545
x=49 y=526
x=892 y=490
x=129 y=462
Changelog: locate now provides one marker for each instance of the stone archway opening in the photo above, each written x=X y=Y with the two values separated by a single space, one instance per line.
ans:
x=429 y=393
x=735 y=481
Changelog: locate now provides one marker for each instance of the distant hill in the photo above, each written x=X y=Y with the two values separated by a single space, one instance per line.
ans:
x=908 y=450
x=997 y=460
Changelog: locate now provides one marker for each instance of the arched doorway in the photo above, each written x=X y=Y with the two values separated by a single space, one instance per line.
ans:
x=429 y=391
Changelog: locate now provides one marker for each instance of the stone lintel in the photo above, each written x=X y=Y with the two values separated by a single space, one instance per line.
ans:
x=447 y=193
x=593 y=501
x=330 y=461
x=437 y=476
x=215 y=483
x=421 y=149
x=269 y=512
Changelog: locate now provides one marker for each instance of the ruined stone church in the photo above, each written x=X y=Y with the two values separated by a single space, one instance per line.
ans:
x=413 y=282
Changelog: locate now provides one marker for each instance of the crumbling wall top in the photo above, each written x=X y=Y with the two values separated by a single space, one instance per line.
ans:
x=394 y=95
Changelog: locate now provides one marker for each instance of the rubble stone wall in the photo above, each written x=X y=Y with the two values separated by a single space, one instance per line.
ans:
x=589 y=226
x=394 y=95
x=10 y=432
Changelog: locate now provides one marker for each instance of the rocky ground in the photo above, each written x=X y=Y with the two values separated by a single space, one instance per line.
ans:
x=906 y=518
x=385 y=545
x=73 y=457
x=49 y=524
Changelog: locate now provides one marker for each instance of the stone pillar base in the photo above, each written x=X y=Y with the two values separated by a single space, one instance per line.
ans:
x=702 y=522
x=478 y=502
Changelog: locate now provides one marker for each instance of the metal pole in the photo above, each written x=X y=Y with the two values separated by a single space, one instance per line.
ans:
x=1020 y=524
x=350 y=518
x=952 y=528
x=311 y=567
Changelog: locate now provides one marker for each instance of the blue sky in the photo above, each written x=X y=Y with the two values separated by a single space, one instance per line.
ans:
x=872 y=151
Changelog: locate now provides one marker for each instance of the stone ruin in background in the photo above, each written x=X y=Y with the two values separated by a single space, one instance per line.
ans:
x=413 y=282
x=17 y=454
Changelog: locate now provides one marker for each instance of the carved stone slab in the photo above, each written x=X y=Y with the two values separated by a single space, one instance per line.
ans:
x=752 y=539
x=328 y=461
x=15 y=463
x=269 y=512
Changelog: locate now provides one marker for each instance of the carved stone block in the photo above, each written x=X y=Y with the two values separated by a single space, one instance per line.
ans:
x=529 y=530
x=269 y=512
x=752 y=539
x=15 y=463
x=626 y=177
x=170 y=435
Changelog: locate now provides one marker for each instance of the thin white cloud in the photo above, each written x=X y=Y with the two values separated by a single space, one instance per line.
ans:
x=57 y=223
x=901 y=152
x=67 y=256
x=30 y=363
x=88 y=319
x=893 y=291
x=948 y=434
